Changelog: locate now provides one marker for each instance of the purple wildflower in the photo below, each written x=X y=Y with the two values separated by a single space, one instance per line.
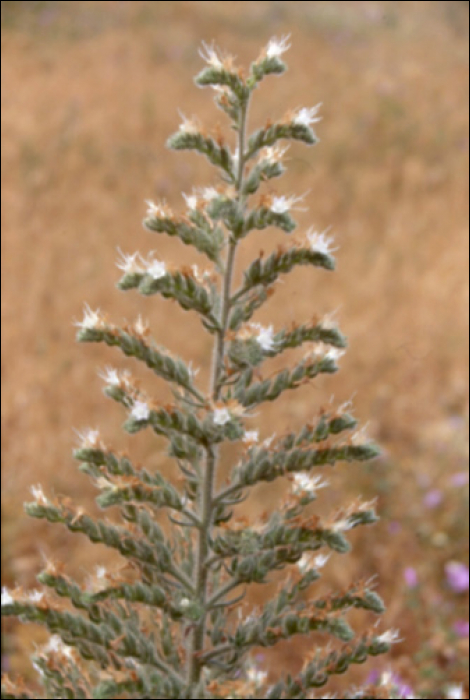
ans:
x=433 y=498
x=461 y=628
x=411 y=577
x=457 y=576
x=459 y=479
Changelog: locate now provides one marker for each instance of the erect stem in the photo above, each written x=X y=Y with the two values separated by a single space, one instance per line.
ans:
x=206 y=505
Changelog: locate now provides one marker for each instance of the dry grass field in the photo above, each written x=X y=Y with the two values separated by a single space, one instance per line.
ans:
x=91 y=90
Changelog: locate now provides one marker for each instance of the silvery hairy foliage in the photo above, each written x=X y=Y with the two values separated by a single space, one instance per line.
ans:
x=171 y=623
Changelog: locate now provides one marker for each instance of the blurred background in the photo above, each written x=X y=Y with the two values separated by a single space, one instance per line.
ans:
x=91 y=91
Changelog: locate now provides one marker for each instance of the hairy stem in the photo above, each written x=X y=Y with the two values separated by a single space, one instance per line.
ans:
x=206 y=504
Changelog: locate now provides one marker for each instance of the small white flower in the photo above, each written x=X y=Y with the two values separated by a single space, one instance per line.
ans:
x=267 y=442
x=320 y=560
x=140 y=326
x=91 y=319
x=342 y=525
x=360 y=436
x=283 y=204
x=307 y=484
x=185 y=603
x=140 y=410
x=89 y=438
x=320 y=242
x=454 y=691
x=307 y=115
x=56 y=645
x=36 y=596
x=154 y=209
x=110 y=376
x=390 y=637
x=273 y=154
x=191 y=200
x=100 y=572
x=210 y=56
x=264 y=337
x=193 y=371
x=305 y=562
x=277 y=47
x=334 y=354
x=156 y=269
x=7 y=598
x=221 y=416
x=251 y=436
x=209 y=193
x=256 y=676
x=38 y=495
x=129 y=263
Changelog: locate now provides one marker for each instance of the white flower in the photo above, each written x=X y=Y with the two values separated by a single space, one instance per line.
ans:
x=308 y=484
x=210 y=56
x=283 y=204
x=91 y=319
x=334 y=354
x=256 y=676
x=191 y=200
x=251 y=436
x=154 y=209
x=221 y=416
x=273 y=154
x=454 y=691
x=7 y=598
x=320 y=560
x=185 y=603
x=140 y=326
x=100 y=572
x=264 y=337
x=36 y=596
x=188 y=126
x=140 y=410
x=129 y=263
x=307 y=115
x=209 y=193
x=156 y=269
x=38 y=495
x=89 y=438
x=193 y=372
x=360 y=437
x=110 y=376
x=267 y=442
x=389 y=637
x=277 y=47
x=56 y=645
x=342 y=525
x=320 y=243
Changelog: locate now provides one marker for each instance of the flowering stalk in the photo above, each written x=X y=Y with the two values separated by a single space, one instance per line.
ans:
x=163 y=627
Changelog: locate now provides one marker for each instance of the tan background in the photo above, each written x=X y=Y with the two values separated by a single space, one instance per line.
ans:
x=91 y=90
